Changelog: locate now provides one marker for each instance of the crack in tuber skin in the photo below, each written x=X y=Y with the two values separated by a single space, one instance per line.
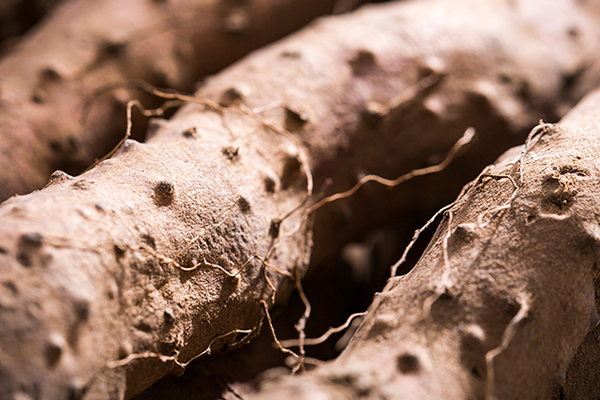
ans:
x=65 y=86
x=89 y=273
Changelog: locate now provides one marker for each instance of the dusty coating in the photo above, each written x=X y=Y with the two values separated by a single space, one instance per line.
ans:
x=64 y=88
x=87 y=277
x=396 y=94
x=504 y=295
x=86 y=286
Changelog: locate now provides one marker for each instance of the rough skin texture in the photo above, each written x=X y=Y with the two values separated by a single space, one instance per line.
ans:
x=64 y=87
x=505 y=293
x=91 y=274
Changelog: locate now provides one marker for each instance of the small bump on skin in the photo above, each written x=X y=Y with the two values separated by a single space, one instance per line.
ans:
x=119 y=250
x=54 y=348
x=81 y=184
x=363 y=62
x=295 y=120
x=125 y=349
x=34 y=239
x=408 y=363
x=374 y=113
x=291 y=53
x=82 y=309
x=244 y=204
x=49 y=74
x=291 y=171
x=190 y=132
x=113 y=49
x=382 y=323
x=233 y=95
x=168 y=316
x=270 y=184
x=164 y=188
x=231 y=153
x=164 y=191
x=274 y=227
x=76 y=390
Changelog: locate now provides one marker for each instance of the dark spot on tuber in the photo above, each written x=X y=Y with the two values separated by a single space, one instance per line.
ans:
x=463 y=234
x=505 y=78
x=82 y=310
x=49 y=74
x=473 y=351
x=431 y=66
x=524 y=91
x=408 y=364
x=243 y=204
x=81 y=184
x=363 y=62
x=55 y=146
x=294 y=120
x=24 y=259
x=143 y=326
x=232 y=153
x=119 y=251
x=113 y=49
x=37 y=97
x=231 y=97
x=11 y=286
x=149 y=240
x=270 y=183
x=154 y=125
x=290 y=54
x=28 y=244
x=168 y=316
x=54 y=348
x=164 y=191
x=3 y=250
x=57 y=177
x=573 y=32
x=190 y=132
x=76 y=391
x=33 y=239
x=374 y=113
x=383 y=323
x=344 y=379
x=274 y=227
x=164 y=188
x=291 y=171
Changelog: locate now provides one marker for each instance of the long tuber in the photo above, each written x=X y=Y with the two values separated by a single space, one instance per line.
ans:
x=64 y=87
x=502 y=299
x=172 y=248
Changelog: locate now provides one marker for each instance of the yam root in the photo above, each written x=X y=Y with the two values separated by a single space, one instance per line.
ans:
x=65 y=86
x=173 y=248
x=504 y=295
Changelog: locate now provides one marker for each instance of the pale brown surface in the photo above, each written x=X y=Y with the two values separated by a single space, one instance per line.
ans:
x=65 y=85
x=83 y=283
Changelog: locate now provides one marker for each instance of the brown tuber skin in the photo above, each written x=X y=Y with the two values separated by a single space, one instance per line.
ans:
x=65 y=86
x=503 y=296
x=90 y=292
